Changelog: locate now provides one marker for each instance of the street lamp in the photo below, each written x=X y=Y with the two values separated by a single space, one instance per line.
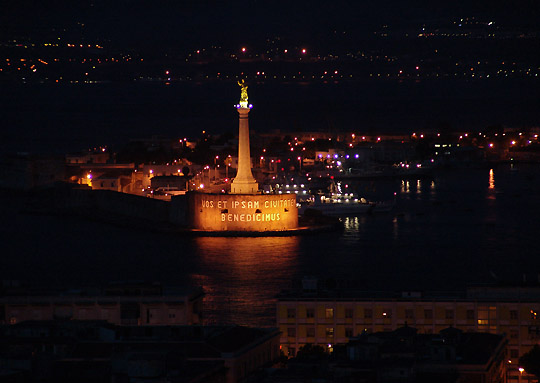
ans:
x=228 y=161
x=215 y=167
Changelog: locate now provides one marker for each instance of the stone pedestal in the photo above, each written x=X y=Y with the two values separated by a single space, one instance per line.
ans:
x=242 y=213
x=244 y=182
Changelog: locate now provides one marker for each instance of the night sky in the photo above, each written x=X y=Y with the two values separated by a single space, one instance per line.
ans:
x=157 y=22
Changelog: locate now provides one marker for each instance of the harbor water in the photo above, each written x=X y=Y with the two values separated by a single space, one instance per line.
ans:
x=464 y=226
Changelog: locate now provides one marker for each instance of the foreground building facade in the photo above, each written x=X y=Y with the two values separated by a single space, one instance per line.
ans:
x=120 y=305
x=331 y=317
x=96 y=351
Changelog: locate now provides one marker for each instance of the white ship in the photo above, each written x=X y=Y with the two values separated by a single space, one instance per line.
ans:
x=336 y=205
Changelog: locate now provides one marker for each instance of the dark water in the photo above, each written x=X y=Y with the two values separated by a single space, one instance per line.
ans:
x=459 y=229
x=465 y=226
x=63 y=117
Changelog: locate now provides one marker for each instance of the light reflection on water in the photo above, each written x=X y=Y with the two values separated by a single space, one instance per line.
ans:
x=417 y=187
x=442 y=235
x=243 y=275
x=491 y=192
x=352 y=223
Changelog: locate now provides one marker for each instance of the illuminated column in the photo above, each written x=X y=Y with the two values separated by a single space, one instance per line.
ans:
x=244 y=183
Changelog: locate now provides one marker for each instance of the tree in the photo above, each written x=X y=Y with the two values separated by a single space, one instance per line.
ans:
x=530 y=361
x=310 y=352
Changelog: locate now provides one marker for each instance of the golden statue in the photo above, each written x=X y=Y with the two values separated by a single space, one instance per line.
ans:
x=243 y=94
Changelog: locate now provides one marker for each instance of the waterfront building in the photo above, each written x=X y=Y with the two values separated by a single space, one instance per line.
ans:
x=177 y=182
x=118 y=181
x=103 y=176
x=123 y=304
x=90 y=157
x=126 y=178
x=149 y=171
x=330 y=317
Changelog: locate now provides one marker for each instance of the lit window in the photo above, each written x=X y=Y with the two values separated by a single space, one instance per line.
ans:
x=329 y=313
x=329 y=331
x=487 y=316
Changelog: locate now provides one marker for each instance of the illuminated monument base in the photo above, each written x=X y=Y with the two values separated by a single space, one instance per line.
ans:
x=242 y=213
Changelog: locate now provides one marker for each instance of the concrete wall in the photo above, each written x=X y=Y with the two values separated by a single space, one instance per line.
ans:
x=104 y=203
x=179 y=210
x=132 y=206
x=24 y=172
x=240 y=212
